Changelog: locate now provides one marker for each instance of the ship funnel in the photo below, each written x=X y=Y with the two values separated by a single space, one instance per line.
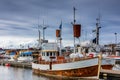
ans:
x=77 y=30
x=57 y=33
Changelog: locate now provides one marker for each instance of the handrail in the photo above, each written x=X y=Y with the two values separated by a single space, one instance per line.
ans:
x=64 y=60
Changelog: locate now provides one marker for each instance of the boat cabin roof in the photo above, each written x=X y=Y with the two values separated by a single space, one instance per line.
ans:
x=50 y=46
x=49 y=51
x=26 y=53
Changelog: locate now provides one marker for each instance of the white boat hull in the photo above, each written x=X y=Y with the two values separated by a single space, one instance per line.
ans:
x=83 y=68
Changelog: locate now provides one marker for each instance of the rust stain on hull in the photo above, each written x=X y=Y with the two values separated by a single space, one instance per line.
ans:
x=81 y=72
x=108 y=67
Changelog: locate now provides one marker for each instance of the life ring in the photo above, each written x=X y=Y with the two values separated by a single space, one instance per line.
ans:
x=91 y=55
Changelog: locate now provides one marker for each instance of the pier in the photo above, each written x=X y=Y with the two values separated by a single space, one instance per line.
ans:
x=109 y=74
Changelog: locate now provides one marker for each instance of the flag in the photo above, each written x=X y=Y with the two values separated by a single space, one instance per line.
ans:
x=94 y=40
x=93 y=30
x=60 y=27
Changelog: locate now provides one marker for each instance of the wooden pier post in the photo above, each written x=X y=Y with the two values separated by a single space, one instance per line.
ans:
x=99 y=65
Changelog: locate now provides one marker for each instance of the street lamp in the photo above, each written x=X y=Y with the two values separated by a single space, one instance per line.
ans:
x=39 y=37
x=115 y=38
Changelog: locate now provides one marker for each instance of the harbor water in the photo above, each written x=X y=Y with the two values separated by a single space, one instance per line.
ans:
x=13 y=73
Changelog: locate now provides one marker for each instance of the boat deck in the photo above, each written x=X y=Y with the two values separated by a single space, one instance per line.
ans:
x=110 y=71
x=64 y=60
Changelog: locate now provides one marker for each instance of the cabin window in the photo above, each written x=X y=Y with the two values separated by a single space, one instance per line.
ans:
x=23 y=55
x=50 y=53
x=47 y=54
x=54 y=54
x=57 y=53
x=44 y=54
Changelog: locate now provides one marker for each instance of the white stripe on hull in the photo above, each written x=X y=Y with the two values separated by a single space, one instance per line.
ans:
x=66 y=66
x=40 y=66
x=108 y=61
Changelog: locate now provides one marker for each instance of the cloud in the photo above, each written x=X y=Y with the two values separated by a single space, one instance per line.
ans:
x=18 y=17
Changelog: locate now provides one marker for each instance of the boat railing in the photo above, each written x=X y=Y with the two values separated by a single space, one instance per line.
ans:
x=63 y=60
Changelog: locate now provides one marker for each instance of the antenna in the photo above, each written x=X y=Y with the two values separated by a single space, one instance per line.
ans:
x=39 y=36
x=74 y=9
x=43 y=28
x=39 y=40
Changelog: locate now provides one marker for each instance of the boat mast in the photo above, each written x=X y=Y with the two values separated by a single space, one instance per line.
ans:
x=60 y=37
x=43 y=27
x=39 y=37
x=76 y=29
x=97 y=30
x=74 y=9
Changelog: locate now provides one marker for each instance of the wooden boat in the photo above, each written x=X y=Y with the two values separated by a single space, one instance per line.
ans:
x=106 y=62
x=50 y=63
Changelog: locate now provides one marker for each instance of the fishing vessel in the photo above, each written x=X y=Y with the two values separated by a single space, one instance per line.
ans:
x=51 y=62
x=25 y=57
x=11 y=55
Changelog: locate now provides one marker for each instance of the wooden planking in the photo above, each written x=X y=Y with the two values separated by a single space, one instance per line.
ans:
x=110 y=71
x=80 y=72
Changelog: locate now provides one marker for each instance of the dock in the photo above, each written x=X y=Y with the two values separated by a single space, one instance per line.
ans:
x=109 y=74
x=17 y=64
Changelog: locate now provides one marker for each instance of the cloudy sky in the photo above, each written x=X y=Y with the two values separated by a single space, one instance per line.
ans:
x=19 y=20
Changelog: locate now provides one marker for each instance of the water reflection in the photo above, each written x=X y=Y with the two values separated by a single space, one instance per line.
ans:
x=11 y=73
